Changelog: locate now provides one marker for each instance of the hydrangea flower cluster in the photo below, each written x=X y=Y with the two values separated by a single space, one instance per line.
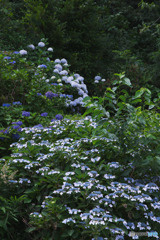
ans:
x=107 y=197
x=97 y=79
x=25 y=114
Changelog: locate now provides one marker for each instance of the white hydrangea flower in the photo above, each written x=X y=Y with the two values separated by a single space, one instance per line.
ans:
x=31 y=46
x=96 y=81
x=63 y=61
x=23 y=52
x=57 y=61
x=50 y=49
x=41 y=44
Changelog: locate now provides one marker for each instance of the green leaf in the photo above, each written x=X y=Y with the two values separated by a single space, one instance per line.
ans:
x=139 y=93
x=127 y=82
x=122 y=97
x=70 y=232
x=151 y=106
x=31 y=229
x=27 y=200
x=3 y=209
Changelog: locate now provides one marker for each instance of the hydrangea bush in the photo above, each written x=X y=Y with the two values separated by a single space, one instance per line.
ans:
x=92 y=176
x=82 y=183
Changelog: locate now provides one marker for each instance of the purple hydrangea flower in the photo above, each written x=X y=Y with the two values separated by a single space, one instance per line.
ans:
x=55 y=94
x=59 y=117
x=15 y=127
x=50 y=94
x=53 y=120
x=13 y=62
x=4 y=131
x=44 y=114
x=15 y=136
x=6 y=104
x=25 y=114
x=19 y=123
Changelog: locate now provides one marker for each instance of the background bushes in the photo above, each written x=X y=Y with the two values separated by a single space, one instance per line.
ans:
x=95 y=36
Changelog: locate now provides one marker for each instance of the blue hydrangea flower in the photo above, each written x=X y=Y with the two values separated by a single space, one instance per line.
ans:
x=39 y=94
x=15 y=127
x=15 y=136
x=55 y=84
x=44 y=114
x=6 y=104
x=16 y=52
x=42 y=66
x=7 y=58
x=12 y=62
x=19 y=123
x=97 y=78
x=25 y=114
x=38 y=126
x=59 y=117
x=70 y=96
x=49 y=94
x=17 y=103
x=119 y=237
